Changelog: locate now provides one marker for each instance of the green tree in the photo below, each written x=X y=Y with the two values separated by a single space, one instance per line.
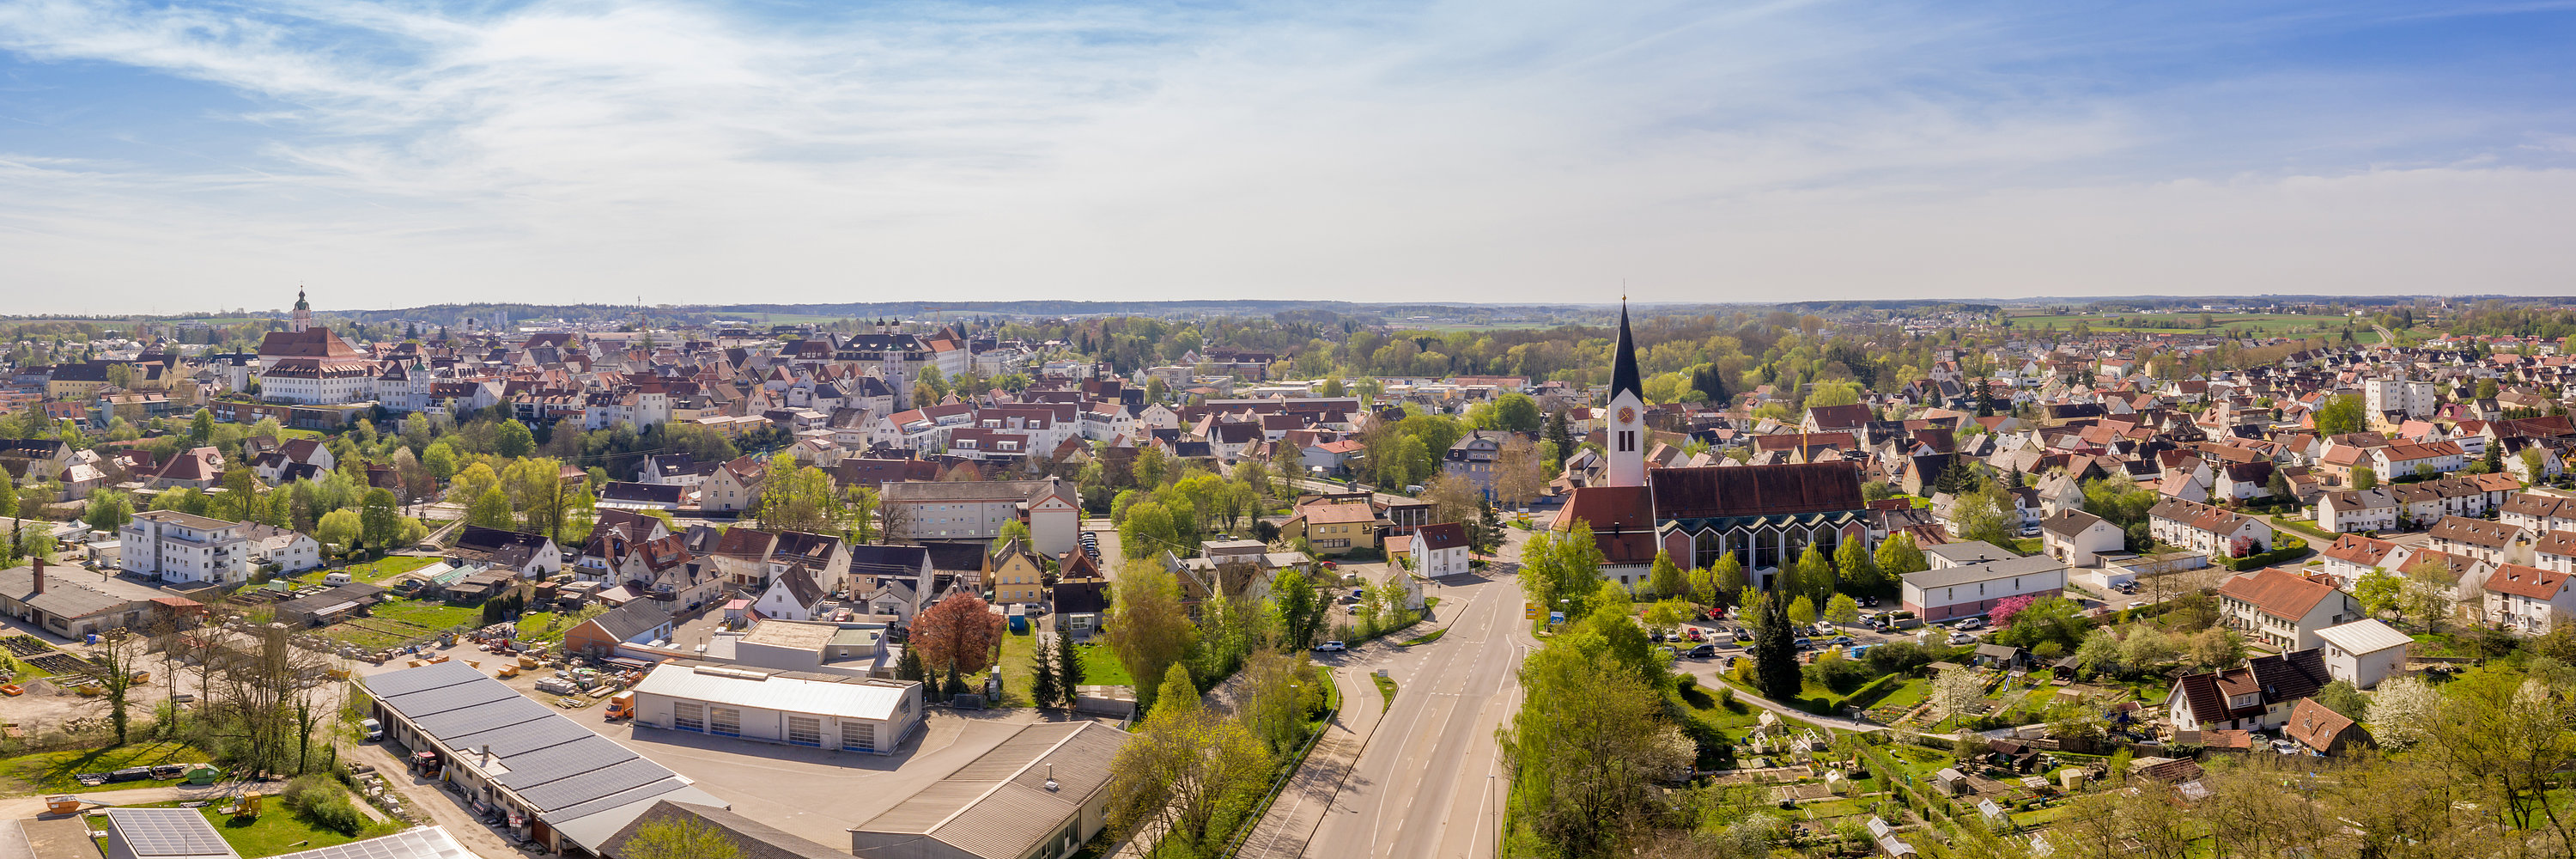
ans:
x=201 y=428
x=1561 y=572
x=1301 y=609
x=1775 y=656
x=108 y=510
x=1182 y=767
x=440 y=459
x=1842 y=610
x=1515 y=412
x=2364 y=477
x=1728 y=573
x=338 y=529
x=379 y=522
x=2379 y=592
x=1664 y=579
x=1802 y=611
x=513 y=440
x=1585 y=753
x=1148 y=627
x=491 y=510
x=1815 y=576
x=1858 y=568
x=2342 y=414
x=679 y=836
x=1068 y=672
x=1979 y=519
x=1703 y=587
x=1897 y=556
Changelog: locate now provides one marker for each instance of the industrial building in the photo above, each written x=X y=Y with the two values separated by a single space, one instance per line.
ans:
x=801 y=709
x=551 y=780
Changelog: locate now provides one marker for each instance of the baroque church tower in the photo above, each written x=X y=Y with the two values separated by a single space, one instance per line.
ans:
x=1627 y=420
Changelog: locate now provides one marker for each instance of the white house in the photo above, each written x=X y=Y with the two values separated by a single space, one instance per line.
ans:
x=2364 y=652
x=183 y=548
x=291 y=551
x=792 y=595
x=2079 y=538
x=2205 y=529
x=2494 y=542
x=1440 y=550
x=2400 y=460
x=2283 y=610
x=2357 y=510
x=2528 y=600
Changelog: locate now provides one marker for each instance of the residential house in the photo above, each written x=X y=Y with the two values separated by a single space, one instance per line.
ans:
x=2321 y=729
x=2404 y=459
x=1015 y=575
x=1440 y=550
x=2207 y=530
x=638 y=622
x=2540 y=514
x=2357 y=510
x=978 y=510
x=2255 y=696
x=2282 y=610
x=2528 y=600
x=732 y=487
x=1334 y=528
x=531 y=555
x=279 y=549
x=2493 y=542
x=2079 y=538
x=184 y=548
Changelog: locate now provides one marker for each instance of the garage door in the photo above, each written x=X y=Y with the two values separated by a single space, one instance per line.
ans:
x=859 y=736
x=724 y=721
x=805 y=731
x=688 y=716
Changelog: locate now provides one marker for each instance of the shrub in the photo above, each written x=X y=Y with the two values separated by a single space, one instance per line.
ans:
x=1726 y=699
x=319 y=801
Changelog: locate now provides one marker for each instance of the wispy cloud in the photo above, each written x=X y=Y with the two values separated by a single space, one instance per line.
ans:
x=394 y=152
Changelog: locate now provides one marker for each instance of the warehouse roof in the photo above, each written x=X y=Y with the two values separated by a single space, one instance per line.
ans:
x=873 y=700
x=1003 y=804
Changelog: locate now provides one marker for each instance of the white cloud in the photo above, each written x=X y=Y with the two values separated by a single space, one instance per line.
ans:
x=582 y=151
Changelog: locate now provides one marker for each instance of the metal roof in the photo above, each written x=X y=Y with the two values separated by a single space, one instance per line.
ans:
x=411 y=680
x=738 y=688
x=2364 y=636
x=578 y=781
x=1988 y=571
x=428 y=842
x=998 y=805
x=592 y=824
x=482 y=717
x=168 y=833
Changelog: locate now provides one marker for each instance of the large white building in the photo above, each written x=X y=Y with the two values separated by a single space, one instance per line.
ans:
x=2414 y=399
x=307 y=365
x=1971 y=589
x=184 y=548
x=977 y=510
x=852 y=714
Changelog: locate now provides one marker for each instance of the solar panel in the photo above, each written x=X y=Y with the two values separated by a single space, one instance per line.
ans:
x=432 y=676
x=155 y=832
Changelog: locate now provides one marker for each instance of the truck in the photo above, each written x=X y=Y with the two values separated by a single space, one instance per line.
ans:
x=622 y=706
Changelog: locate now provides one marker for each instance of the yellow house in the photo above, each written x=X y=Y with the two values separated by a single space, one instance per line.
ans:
x=1016 y=575
x=1334 y=528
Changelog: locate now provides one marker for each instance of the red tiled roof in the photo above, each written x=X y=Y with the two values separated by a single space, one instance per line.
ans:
x=2284 y=595
x=2526 y=581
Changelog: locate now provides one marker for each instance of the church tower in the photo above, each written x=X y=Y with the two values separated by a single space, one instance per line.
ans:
x=1627 y=424
x=304 y=314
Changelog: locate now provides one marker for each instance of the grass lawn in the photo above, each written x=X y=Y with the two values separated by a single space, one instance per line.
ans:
x=276 y=831
x=388 y=567
x=52 y=772
x=430 y=613
x=1426 y=638
x=21 y=669
x=1385 y=689
x=1100 y=666
x=2026 y=546
x=1017 y=672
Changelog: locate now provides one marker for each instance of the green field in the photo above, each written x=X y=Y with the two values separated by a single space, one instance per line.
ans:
x=2264 y=324
x=52 y=772
x=1100 y=667
x=371 y=572
x=275 y=830
x=429 y=613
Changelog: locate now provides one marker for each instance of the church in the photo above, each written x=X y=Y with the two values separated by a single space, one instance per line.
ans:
x=1766 y=514
x=306 y=364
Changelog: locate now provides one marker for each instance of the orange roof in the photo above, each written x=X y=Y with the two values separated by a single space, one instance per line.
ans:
x=2277 y=593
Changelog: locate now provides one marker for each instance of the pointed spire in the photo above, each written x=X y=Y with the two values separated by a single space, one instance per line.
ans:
x=1623 y=366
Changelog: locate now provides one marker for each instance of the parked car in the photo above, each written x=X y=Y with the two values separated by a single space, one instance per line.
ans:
x=1957 y=638
x=1973 y=623
x=1841 y=639
x=1704 y=651
x=375 y=729
x=1804 y=644
x=1331 y=647
x=1869 y=602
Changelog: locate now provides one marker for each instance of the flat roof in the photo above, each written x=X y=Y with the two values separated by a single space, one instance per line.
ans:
x=740 y=687
x=1988 y=571
x=168 y=833
x=802 y=636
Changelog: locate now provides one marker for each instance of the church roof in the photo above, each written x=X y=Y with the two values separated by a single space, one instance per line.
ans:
x=1623 y=367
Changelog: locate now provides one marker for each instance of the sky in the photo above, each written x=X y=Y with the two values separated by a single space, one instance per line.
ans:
x=182 y=156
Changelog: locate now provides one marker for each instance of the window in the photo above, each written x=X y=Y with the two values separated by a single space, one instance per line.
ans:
x=805 y=731
x=688 y=716
x=724 y=721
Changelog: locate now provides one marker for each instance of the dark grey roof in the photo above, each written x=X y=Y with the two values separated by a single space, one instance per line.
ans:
x=635 y=618
x=411 y=680
x=352 y=592
x=956 y=557
x=561 y=768
x=482 y=717
x=872 y=560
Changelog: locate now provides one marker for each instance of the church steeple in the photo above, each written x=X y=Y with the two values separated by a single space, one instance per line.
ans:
x=303 y=318
x=1627 y=424
x=1623 y=361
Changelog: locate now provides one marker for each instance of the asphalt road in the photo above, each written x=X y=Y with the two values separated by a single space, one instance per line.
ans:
x=1424 y=784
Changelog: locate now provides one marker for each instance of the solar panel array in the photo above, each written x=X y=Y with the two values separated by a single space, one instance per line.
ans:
x=551 y=761
x=167 y=832
x=426 y=843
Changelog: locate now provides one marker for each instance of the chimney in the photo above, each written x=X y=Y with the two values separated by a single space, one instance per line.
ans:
x=40 y=575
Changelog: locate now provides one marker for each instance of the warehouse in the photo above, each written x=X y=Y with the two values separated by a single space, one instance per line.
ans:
x=520 y=762
x=1041 y=794
x=817 y=710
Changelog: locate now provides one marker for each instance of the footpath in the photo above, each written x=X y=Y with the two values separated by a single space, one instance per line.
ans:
x=1300 y=807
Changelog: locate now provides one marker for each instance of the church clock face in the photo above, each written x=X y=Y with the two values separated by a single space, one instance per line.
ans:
x=1627 y=415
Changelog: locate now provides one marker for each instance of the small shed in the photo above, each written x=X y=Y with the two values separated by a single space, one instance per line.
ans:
x=1993 y=813
x=1951 y=782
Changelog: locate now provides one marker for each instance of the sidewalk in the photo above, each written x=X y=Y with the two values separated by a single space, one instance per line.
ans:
x=1301 y=806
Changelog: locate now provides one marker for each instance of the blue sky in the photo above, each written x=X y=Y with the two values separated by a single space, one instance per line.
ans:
x=179 y=156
